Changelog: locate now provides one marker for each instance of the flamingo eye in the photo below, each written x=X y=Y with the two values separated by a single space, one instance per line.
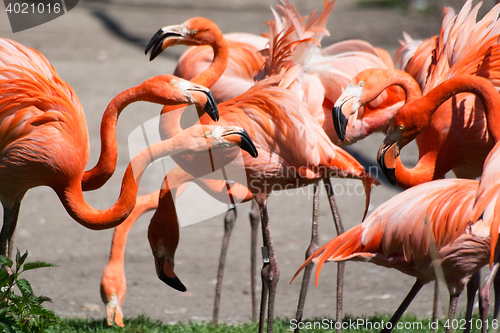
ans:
x=173 y=82
x=194 y=32
x=207 y=134
x=361 y=83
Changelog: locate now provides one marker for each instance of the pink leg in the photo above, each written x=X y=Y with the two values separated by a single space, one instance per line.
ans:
x=254 y=225
x=229 y=222
x=484 y=294
x=340 y=265
x=452 y=309
x=270 y=270
x=313 y=246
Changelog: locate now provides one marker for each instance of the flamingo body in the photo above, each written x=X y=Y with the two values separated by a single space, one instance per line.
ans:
x=400 y=232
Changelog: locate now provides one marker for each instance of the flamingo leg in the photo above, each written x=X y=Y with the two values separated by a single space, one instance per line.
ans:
x=10 y=216
x=229 y=222
x=404 y=305
x=340 y=265
x=484 y=294
x=452 y=310
x=313 y=246
x=270 y=270
x=435 y=301
x=264 y=273
x=472 y=288
x=254 y=225
x=496 y=288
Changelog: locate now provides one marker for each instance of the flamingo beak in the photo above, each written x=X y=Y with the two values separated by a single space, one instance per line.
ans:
x=241 y=138
x=211 y=105
x=172 y=280
x=339 y=121
x=388 y=153
x=169 y=32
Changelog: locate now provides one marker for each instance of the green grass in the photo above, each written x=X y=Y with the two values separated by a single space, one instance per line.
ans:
x=144 y=324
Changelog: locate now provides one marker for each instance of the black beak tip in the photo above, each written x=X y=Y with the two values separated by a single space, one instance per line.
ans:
x=389 y=173
x=211 y=107
x=339 y=122
x=153 y=40
x=248 y=145
x=173 y=282
x=155 y=51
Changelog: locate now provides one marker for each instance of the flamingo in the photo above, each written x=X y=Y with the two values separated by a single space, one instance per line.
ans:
x=113 y=281
x=459 y=214
x=44 y=139
x=263 y=101
x=244 y=60
x=398 y=235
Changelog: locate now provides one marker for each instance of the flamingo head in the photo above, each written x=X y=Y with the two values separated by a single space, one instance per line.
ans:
x=364 y=88
x=169 y=90
x=195 y=31
x=200 y=138
x=230 y=136
x=408 y=122
x=164 y=263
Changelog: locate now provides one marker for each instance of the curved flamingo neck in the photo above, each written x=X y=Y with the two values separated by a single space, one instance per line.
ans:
x=170 y=120
x=481 y=87
x=218 y=66
x=429 y=103
x=71 y=196
x=144 y=203
x=406 y=82
x=424 y=171
x=105 y=167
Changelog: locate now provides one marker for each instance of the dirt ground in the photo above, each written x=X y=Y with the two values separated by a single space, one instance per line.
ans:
x=98 y=48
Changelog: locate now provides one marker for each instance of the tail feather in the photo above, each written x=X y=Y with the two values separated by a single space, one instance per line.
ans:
x=340 y=248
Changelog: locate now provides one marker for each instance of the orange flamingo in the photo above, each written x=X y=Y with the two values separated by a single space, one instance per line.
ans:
x=388 y=241
x=454 y=216
x=271 y=112
x=399 y=233
x=113 y=281
x=243 y=62
x=44 y=139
